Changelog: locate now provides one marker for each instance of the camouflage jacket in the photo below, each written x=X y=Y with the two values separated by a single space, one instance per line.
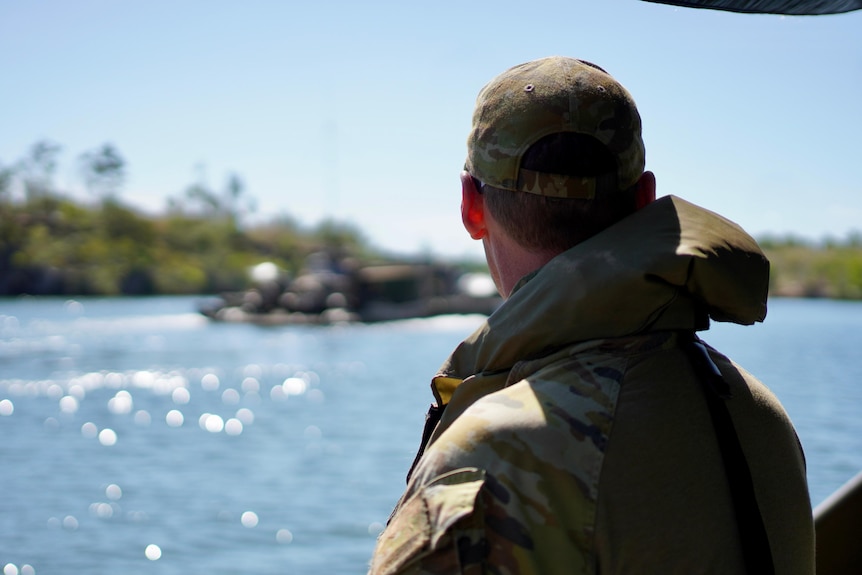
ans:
x=575 y=436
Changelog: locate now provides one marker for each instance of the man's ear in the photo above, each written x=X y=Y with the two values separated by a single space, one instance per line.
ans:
x=472 y=208
x=645 y=193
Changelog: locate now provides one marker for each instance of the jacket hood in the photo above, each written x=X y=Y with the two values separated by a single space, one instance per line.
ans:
x=670 y=266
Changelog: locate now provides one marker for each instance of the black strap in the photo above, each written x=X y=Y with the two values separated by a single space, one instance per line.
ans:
x=752 y=533
x=432 y=418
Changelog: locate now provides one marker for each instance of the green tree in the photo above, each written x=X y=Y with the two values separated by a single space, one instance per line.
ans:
x=233 y=197
x=103 y=170
x=200 y=199
x=11 y=229
x=339 y=237
x=37 y=169
x=7 y=174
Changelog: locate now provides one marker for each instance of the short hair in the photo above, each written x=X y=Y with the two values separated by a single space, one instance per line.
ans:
x=556 y=224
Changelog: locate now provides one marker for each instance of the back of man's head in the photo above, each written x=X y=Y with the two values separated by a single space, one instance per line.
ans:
x=557 y=145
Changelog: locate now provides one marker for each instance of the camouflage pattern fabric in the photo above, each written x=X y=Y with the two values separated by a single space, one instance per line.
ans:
x=542 y=441
x=546 y=96
x=575 y=437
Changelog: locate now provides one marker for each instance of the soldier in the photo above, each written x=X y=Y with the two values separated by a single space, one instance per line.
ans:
x=585 y=427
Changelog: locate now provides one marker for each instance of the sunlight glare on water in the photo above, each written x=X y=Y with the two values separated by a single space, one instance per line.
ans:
x=142 y=418
x=7 y=408
x=108 y=437
x=113 y=492
x=153 y=552
x=68 y=404
x=210 y=382
x=233 y=426
x=121 y=403
x=174 y=418
x=310 y=429
x=180 y=395
x=249 y=519
x=212 y=423
x=250 y=385
x=294 y=386
x=230 y=396
x=245 y=415
x=89 y=430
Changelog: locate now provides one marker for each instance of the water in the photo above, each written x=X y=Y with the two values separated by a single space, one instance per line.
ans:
x=137 y=437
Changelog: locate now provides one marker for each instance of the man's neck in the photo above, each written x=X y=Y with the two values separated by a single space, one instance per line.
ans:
x=508 y=262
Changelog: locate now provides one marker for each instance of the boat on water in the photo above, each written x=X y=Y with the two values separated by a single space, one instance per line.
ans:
x=327 y=294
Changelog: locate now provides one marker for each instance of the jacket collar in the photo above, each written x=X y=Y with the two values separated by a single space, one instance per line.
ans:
x=670 y=266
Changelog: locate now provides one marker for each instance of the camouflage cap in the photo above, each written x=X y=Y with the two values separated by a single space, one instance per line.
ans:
x=543 y=97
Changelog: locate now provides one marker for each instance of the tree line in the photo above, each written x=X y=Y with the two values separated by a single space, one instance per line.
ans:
x=51 y=244
x=828 y=268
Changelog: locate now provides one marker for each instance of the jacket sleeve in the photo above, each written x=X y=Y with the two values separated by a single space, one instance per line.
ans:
x=438 y=529
x=507 y=487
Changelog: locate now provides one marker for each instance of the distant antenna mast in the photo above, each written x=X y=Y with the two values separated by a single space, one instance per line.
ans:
x=330 y=169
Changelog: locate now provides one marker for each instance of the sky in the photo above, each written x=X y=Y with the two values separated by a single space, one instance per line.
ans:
x=359 y=111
